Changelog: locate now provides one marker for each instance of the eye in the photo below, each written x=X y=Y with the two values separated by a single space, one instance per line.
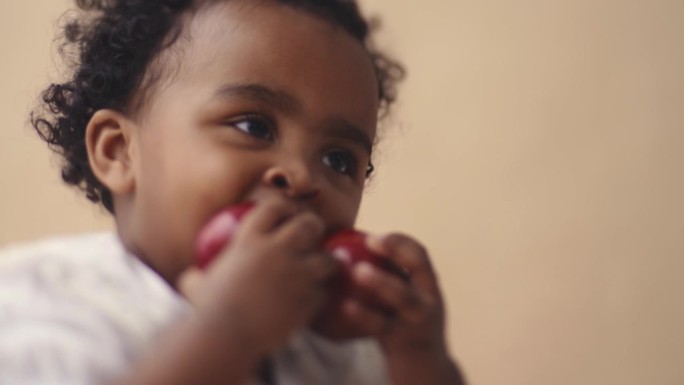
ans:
x=257 y=127
x=341 y=161
x=369 y=169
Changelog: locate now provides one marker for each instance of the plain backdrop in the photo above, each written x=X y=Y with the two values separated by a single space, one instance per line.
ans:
x=536 y=150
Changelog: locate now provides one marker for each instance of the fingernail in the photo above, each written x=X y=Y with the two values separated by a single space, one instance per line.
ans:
x=363 y=270
x=375 y=241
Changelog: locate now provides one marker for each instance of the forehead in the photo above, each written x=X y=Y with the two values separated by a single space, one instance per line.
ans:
x=283 y=48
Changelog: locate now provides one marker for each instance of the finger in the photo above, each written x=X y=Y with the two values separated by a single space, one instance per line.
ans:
x=366 y=320
x=189 y=283
x=392 y=293
x=321 y=266
x=410 y=255
x=302 y=232
x=318 y=269
x=268 y=215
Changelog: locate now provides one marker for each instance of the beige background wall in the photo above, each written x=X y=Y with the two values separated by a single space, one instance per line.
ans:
x=536 y=151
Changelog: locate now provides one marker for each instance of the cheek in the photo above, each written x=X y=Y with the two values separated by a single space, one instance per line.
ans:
x=213 y=181
x=341 y=207
x=183 y=186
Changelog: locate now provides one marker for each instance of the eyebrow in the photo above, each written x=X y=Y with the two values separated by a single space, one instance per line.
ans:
x=344 y=129
x=338 y=127
x=259 y=93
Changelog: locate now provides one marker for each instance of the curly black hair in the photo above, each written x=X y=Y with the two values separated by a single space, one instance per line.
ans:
x=114 y=44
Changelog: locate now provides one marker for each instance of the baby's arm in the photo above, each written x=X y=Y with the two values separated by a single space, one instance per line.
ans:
x=410 y=328
x=201 y=350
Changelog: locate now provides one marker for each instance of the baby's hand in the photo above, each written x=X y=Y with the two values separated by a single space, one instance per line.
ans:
x=271 y=279
x=407 y=317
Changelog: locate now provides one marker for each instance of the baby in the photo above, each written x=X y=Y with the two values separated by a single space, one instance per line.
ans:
x=176 y=110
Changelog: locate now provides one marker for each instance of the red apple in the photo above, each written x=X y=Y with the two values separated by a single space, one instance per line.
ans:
x=218 y=233
x=349 y=247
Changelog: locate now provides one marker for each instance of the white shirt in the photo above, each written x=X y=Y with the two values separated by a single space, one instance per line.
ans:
x=81 y=310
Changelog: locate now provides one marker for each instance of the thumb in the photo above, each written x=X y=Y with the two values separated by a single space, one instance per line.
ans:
x=190 y=282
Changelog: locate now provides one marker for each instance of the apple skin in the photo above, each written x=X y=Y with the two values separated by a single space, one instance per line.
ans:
x=219 y=232
x=349 y=247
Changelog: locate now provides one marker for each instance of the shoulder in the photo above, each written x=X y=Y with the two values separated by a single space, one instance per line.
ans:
x=62 y=250
x=89 y=280
x=92 y=259
x=52 y=267
x=93 y=271
x=74 y=267
x=79 y=306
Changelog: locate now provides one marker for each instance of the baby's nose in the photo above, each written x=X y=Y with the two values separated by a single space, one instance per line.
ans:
x=295 y=182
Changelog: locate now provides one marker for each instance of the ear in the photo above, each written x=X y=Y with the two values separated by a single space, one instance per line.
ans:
x=108 y=140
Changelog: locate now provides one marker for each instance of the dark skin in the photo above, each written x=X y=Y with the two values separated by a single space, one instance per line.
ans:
x=232 y=125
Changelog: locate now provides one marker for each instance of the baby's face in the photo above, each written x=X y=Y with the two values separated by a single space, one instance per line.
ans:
x=260 y=93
